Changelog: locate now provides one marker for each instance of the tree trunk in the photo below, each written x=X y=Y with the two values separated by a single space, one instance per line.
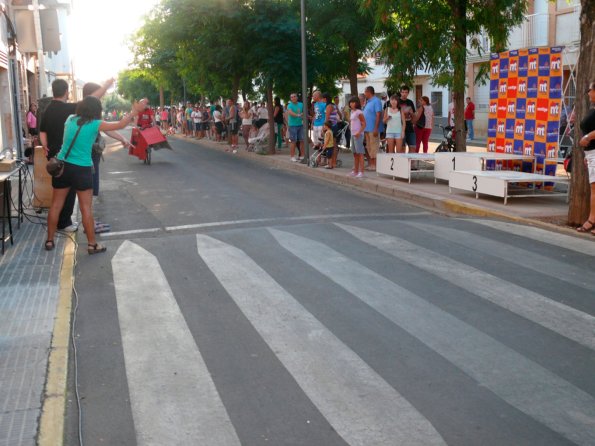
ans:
x=459 y=58
x=235 y=87
x=353 y=64
x=271 y=147
x=578 y=209
x=161 y=97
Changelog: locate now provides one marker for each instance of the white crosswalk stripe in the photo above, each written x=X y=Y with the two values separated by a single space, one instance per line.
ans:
x=562 y=319
x=582 y=245
x=521 y=382
x=542 y=264
x=174 y=400
x=354 y=399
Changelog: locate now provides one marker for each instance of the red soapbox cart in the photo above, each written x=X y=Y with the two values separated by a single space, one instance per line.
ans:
x=144 y=141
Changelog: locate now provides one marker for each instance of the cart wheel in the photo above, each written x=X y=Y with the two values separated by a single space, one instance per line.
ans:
x=148 y=160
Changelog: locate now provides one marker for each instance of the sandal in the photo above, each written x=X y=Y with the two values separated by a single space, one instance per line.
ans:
x=584 y=229
x=49 y=245
x=95 y=249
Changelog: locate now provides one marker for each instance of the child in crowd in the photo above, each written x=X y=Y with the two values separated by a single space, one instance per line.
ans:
x=357 y=123
x=394 y=118
x=329 y=143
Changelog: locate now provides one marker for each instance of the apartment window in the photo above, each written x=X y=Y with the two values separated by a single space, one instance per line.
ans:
x=436 y=99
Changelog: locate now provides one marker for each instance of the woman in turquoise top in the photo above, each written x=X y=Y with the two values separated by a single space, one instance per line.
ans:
x=80 y=131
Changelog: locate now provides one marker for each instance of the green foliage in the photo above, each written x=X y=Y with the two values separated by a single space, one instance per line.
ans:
x=432 y=34
x=113 y=101
x=345 y=32
x=218 y=47
x=135 y=84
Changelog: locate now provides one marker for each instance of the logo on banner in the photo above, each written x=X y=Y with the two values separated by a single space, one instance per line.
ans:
x=532 y=87
x=521 y=108
x=523 y=66
x=494 y=88
x=539 y=148
x=519 y=128
x=530 y=130
x=553 y=129
x=491 y=146
x=551 y=151
x=503 y=88
x=493 y=107
x=543 y=109
x=512 y=88
x=540 y=131
x=508 y=147
x=510 y=128
x=532 y=65
x=503 y=68
x=501 y=127
x=528 y=150
x=554 y=109
x=513 y=66
x=556 y=87
x=531 y=108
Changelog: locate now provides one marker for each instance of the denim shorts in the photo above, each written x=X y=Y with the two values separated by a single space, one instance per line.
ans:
x=358 y=144
x=296 y=133
x=393 y=136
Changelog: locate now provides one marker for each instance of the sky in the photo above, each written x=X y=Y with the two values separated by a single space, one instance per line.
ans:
x=100 y=37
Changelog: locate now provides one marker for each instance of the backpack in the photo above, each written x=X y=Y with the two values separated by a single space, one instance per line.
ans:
x=98 y=146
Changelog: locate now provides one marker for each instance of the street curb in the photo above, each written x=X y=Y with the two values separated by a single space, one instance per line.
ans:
x=424 y=200
x=51 y=422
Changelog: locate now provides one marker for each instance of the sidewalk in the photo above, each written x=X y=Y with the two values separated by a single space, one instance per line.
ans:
x=30 y=290
x=547 y=212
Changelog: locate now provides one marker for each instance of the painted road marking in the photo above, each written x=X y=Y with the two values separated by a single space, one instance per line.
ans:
x=527 y=259
x=272 y=220
x=173 y=398
x=562 y=319
x=519 y=381
x=584 y=246
x=289 y=219
x=362 y=407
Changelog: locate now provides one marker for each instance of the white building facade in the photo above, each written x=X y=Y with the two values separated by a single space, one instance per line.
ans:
x=29 y=64
x=547 y=24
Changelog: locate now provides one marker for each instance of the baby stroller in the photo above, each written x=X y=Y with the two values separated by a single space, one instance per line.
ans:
x=256 y=143
x=321 y=155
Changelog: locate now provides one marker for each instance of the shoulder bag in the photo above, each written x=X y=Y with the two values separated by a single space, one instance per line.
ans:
x=55 y=167
x=421 y=122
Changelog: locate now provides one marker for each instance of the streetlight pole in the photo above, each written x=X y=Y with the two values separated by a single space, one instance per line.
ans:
x=306 y=138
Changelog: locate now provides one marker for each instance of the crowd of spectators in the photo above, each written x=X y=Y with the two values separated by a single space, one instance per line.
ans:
x=396 y=124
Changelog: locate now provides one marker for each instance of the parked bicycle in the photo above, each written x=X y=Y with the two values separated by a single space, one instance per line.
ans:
x=448 y=142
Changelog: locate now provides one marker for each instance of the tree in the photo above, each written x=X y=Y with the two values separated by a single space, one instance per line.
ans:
x=578 y=209
x=113 y=101
x=135 y=83
x=349 y=32
x=432 y=34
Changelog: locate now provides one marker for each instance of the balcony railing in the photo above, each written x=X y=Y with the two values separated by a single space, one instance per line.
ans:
x=568 y=27
x=531 y=33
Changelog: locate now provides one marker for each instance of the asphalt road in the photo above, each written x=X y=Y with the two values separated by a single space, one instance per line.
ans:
x=240 y=304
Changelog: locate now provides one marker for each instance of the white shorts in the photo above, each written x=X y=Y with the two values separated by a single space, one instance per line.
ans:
x=590 y=157
x=316 y=134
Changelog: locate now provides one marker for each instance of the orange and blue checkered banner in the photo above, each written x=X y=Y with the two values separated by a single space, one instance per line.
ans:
x=525 y=105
